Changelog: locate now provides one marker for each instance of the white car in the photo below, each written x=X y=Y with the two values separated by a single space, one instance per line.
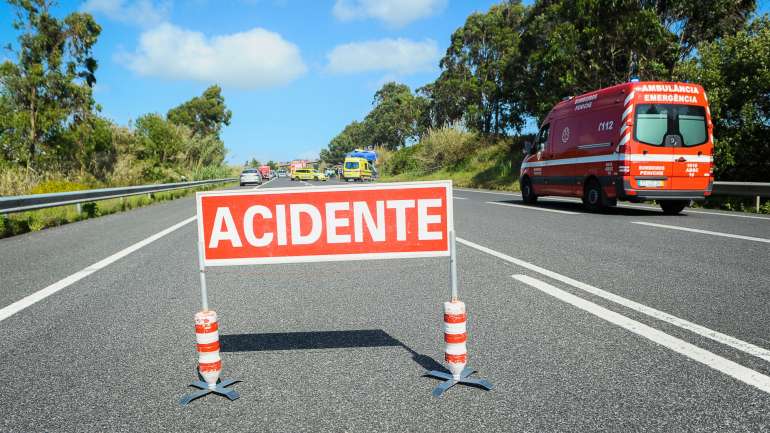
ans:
x=251 y=175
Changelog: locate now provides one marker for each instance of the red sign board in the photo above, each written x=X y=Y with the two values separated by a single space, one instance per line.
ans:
x=290 y=225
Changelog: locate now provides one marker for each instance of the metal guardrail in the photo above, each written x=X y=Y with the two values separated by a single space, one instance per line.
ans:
x=21 y=203
x=742 y=189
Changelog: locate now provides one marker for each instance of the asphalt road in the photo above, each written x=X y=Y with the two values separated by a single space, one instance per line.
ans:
x=624 y=321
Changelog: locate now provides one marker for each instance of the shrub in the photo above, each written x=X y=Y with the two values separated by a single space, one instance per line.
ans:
x=17 y=180
x=91 y=209
x=35 y=222
x=212 y=172
x=446 y=148
x=397 y=162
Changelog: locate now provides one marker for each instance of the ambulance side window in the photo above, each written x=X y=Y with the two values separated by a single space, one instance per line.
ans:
x=542 y=137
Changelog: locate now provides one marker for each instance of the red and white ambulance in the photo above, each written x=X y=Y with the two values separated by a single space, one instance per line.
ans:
x=635 y=141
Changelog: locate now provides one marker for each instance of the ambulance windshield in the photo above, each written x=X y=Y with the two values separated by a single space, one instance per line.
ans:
x=656 y=121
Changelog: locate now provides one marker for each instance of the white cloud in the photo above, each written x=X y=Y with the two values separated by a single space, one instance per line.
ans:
x=393 y=12
x=256 y=58
x=145 y=13
x=401 y=56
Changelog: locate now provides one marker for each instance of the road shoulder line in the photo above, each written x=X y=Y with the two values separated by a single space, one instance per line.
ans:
x=38 y=296
x=698 y=354
x=719 y=337
x=65 y=282
x=705 y=232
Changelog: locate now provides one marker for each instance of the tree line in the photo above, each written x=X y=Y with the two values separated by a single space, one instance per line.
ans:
x=507 y=67
x=50 y=122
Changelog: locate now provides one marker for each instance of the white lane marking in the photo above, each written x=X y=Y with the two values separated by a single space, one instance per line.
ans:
x=712 y=360
x=261 y=184
x=459 y=198
x=705 y=232
x=38 y=296
x=719 y=337
x=727 y=214
x=533 y=208
x=23 y=303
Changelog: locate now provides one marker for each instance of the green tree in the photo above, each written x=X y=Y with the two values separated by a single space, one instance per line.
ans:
x=354 y=135
x=697 y=21
x=735 y=71
x=50 y=83
x=393 y=120
x=481 y=74
x=205 y=114
x=93 y=150
x=162 y=142
x=572 y=47
x=575 y=47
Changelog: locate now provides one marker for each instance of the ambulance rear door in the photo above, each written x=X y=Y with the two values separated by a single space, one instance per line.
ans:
x=651 y=164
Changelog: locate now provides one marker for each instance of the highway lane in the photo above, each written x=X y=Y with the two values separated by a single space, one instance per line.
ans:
x=326 y=347
x=717 y=282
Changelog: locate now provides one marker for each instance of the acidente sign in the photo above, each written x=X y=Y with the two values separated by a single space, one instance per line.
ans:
x=313 y=224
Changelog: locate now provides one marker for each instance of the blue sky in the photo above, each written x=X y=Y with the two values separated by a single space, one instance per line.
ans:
x=297 y=71
x=294 y=72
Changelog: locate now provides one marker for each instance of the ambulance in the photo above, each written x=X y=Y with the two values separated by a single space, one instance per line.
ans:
x=636 y=141
x=356 y=169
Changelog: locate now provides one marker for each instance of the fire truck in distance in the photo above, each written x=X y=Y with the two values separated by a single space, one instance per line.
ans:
x=635 y=141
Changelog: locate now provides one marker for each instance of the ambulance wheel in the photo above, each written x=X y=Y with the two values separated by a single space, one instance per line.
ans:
x=527 y=194
x=673 y=207
x=593 y=196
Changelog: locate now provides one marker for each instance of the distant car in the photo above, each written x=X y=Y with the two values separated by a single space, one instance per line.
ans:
x=251 y=175
x=320 y=176
x=302 y=174
x=329 y=172
x=281 y=173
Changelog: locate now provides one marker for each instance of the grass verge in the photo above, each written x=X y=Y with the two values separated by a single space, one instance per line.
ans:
x=467 y=159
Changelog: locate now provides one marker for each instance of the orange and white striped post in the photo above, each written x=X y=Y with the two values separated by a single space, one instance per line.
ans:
x=207 y=344
x=455 y=336
x=207 y=339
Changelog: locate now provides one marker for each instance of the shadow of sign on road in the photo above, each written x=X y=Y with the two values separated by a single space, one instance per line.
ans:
x=321 y=340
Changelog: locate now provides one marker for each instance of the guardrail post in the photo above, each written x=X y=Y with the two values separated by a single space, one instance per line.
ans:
x=79 y=208
x=757 y=204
